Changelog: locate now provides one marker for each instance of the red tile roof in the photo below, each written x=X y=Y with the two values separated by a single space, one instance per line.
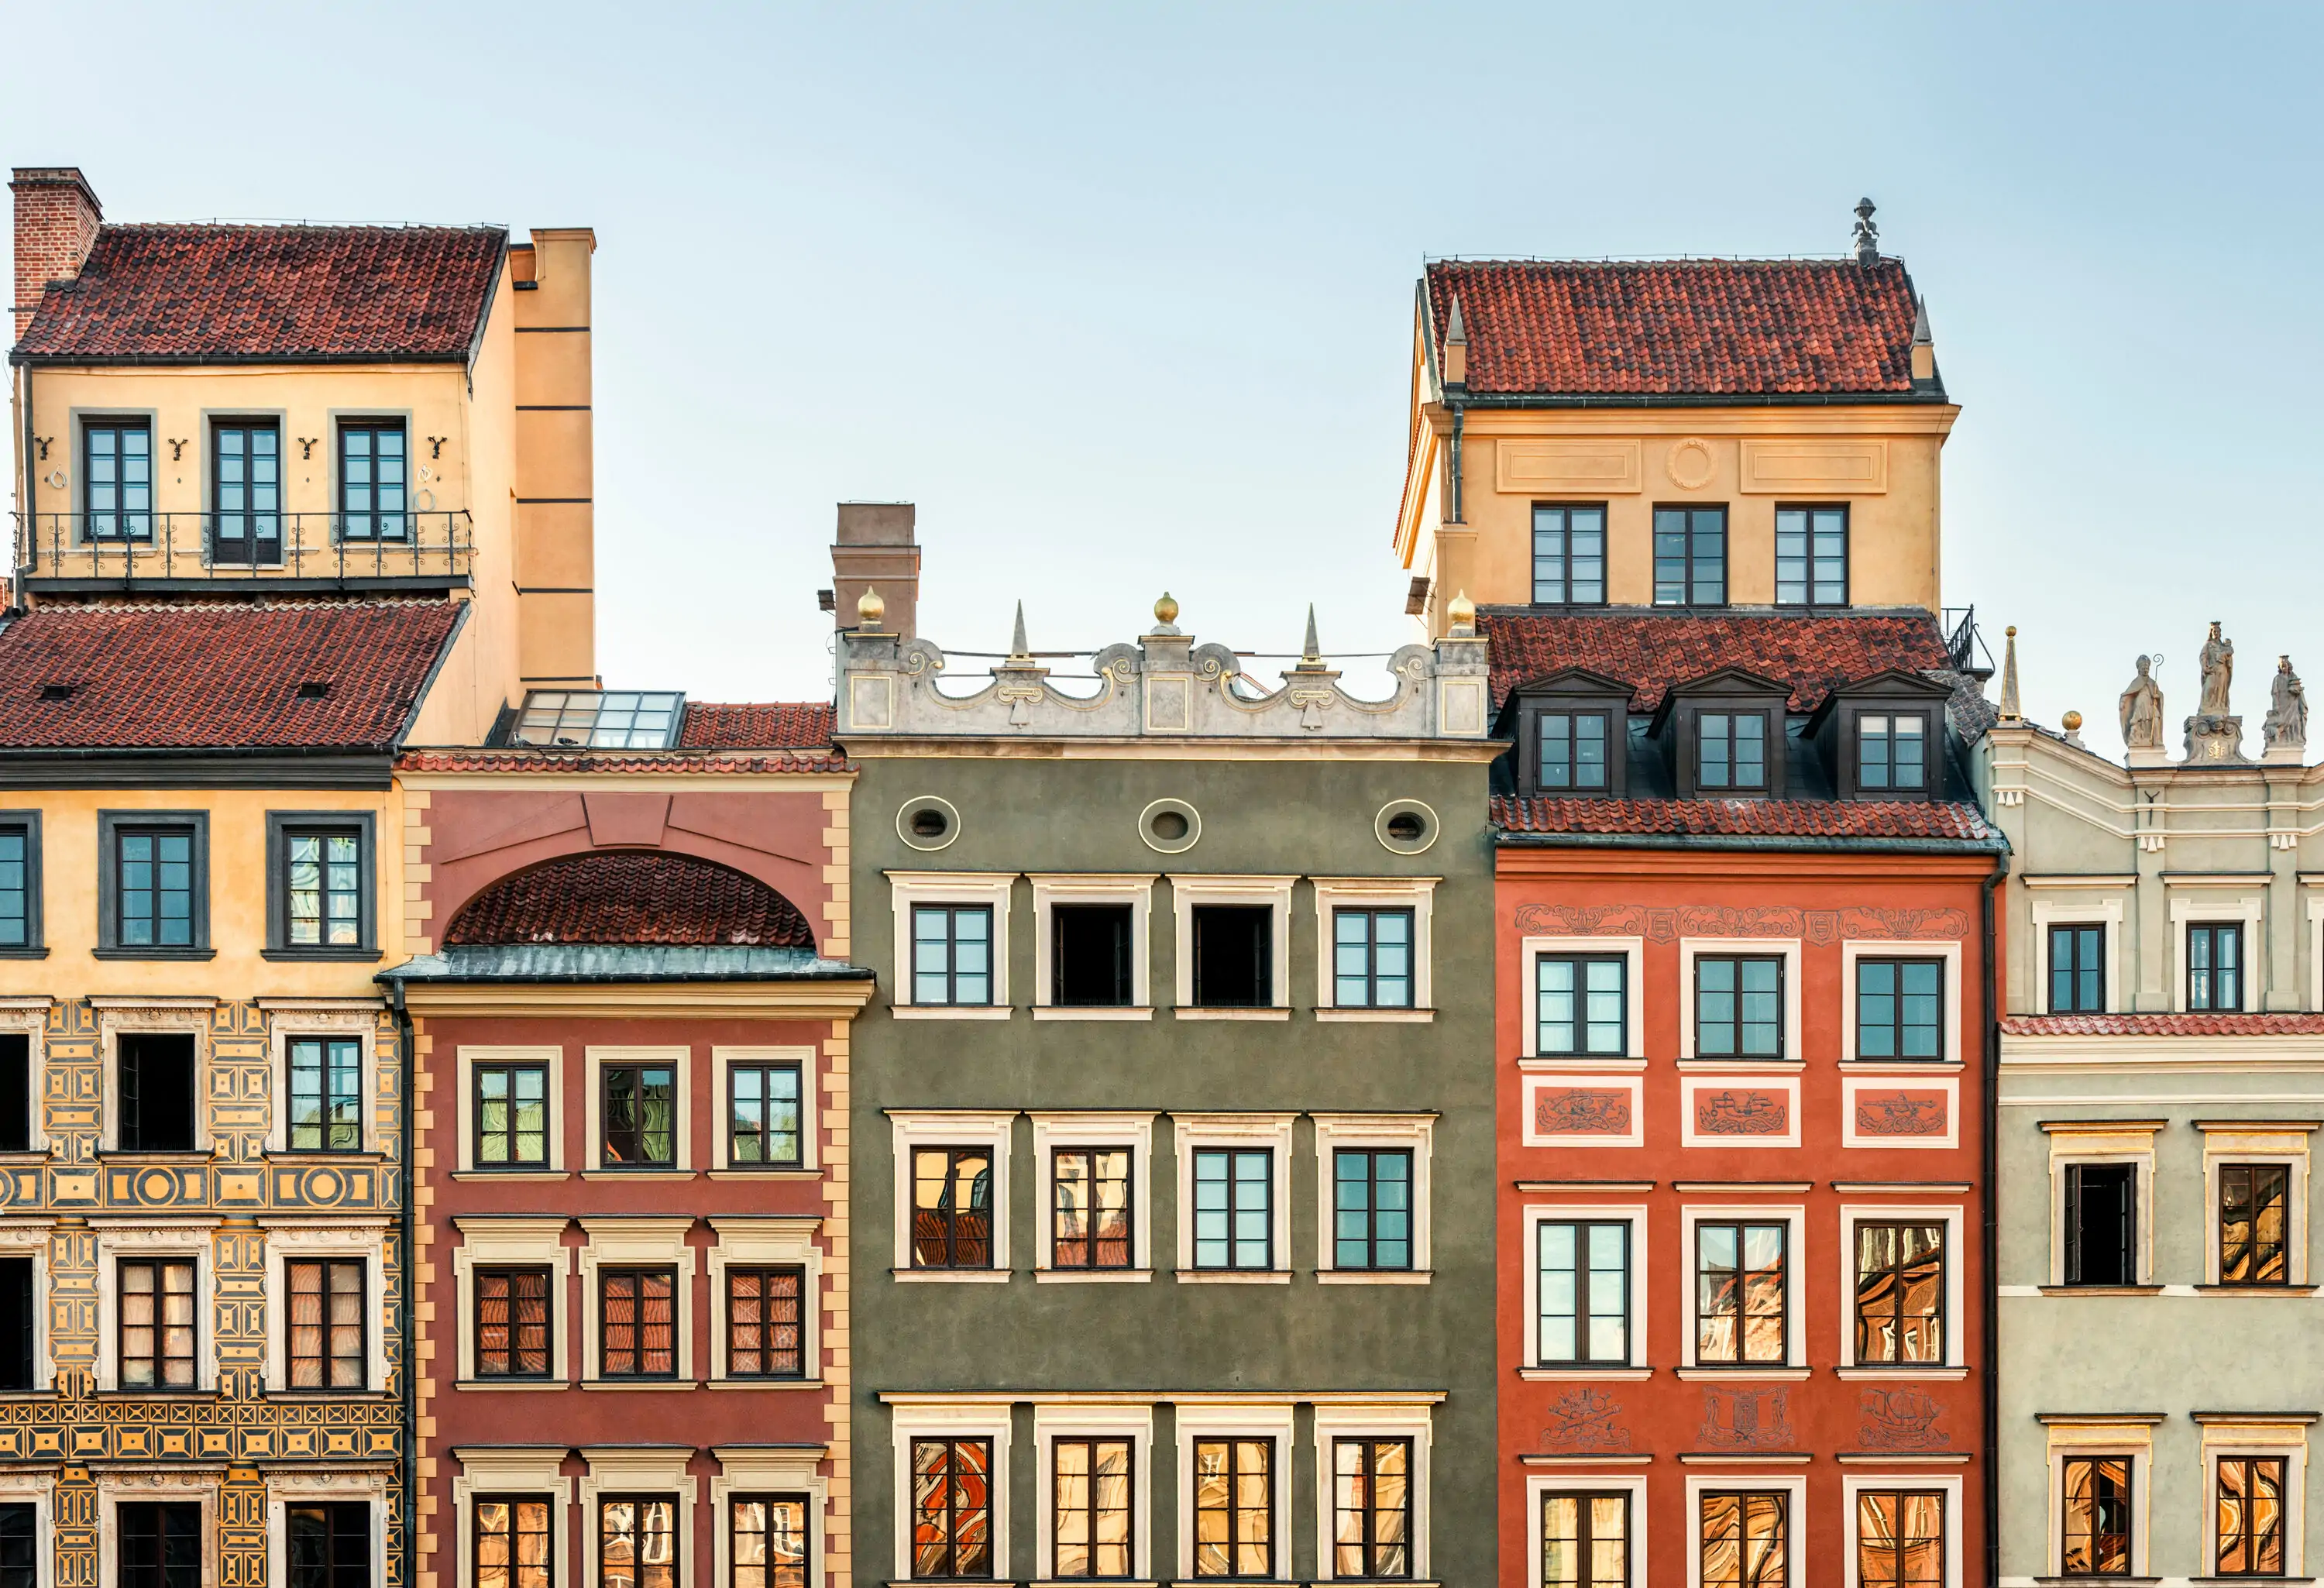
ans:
x=518 y=763
x=1707 y=328
x=216 y=677
x=200 y=294
x=1650 y=651
x=778 y=725
x=1786 y=818
x=2162 y=1025
x=630 y=896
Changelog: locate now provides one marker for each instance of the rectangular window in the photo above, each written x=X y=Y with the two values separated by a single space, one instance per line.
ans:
x=1900 y=1538
x=1739 y=1006
x=1234 y=1208
x=1089 y=966
x=1740 y=1293
x=952 y=1509
x=372 y=479
x=1900 y=1008
x=767 y=1546
x=156 y=1075
x=1581 y=1280
x=1575 y=749
x=765 y=1327
x=640 y=1115
x=1371 y=958
x=329 y=1543
x=1090 y=1221
x=1234 y=1507
x=153 y=887
x=322 y=887
x=1811 y=556
x=20 y=1326
x=2101 y=1223
x=2255 y=1210
x=20 y=899
x=1900 y=1294
x=326 y=1324
x=1689 y=556
x=159 y=1546
x=1092 y=1496
x=513 y=1323
x=2077 y=970
x=511 y=1542
x=1234 y=951
x=1892 y=751
x=1372 y=1209
x=2097 y=1542
x=1582 y=1004
x=1746 y=1540
x=952 y=953
x=951 y=1207
x=1371 y=1508
x=21 y=1544
x=1585 y=1541
x=637 y=1323
x=245 y=494
x=511 y=1116
x=326 y=1095
x=2215 y=967
x=637 y=1541
x=116 y=472
x=16 y=1103
x=157 y=1324
x=1569 y=555
x=2250 y=1517
x=1731 y=750
x=763 y=1116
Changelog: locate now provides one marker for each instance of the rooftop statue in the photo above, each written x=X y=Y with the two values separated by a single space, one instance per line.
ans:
x=2142 y=709
x=2286 y=725
x=2215 y=733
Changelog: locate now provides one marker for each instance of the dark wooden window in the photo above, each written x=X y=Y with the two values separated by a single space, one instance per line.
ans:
x=1091 y=1214
x=1585 y=1541
x=1581 y=1289
x=2214 y=966
x=952 y=1509
x=326 y=1095
x=374 y=477
x=155 y=1070
x=2255 y=1223
x=1730 y=749
x=1689 y=556
x=1811 y=556
x=245 y=494
x=157 y=1324
x=2101 y=1223
x=116 y=472
x=2249 y=1513
x=20 y=901
x=19 y=1325
x=1900 y=1009
x=1234 y=1507
x=1234 y=954
x=511 y=1116
x=1089 y=962
x=159 y=1546
x=329 y=1543
x=767 y=1546
x=766 y=1327
x=511 y=1542
x=637 y=1323
x=1371 y=1508
x=1092 y=1499
x=1746 y=1540
x=1900 y=1294
x=1569 y=555
x=322 y=874
x=2096 y=1517
x=1900 y=1538
x=153 y=887
x=1582 y=1004
x=1234 y=1208
x=637 y=1541
x=1739 y=1006
x=1892 y=751
x=326 y=1324
x=1371 y=958
x=951 y=1207
x=1575 y=749
x=21 y=1544
x=1371 y=1208
x=1740 y=1304
x=763 y=1120
x=2078 y=970
x=952 y=953
x=512 y=1323
x=16 y=1100
x=640 y=1115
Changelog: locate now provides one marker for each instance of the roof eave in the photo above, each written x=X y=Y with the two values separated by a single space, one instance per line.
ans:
x=1751 y=842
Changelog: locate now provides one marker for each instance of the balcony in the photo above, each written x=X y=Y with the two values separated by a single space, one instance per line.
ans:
x=77 y=553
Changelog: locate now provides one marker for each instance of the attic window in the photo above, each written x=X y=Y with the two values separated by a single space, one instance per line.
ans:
x=314 y=689
x=59 y=691
x=600 y=719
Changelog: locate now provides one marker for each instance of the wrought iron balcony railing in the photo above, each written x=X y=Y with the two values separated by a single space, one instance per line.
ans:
x=130 y=547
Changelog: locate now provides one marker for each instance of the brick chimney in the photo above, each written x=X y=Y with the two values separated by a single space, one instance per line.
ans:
x=875 y=551
x=57 y=217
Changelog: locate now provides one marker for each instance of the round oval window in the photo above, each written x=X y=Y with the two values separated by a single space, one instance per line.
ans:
x=929 y=823
x=1406 y=828
x=1169 y=825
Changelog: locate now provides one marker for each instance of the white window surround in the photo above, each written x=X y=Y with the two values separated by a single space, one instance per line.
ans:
x=722 y=1143
x=1335 y=1423
x=768 y=1469
x=2215 y=908
x=285 y=1490
x=2097 y=1141
x=2076 y=912
x=2227 y=1141
x=552 y=1057
x=287 y=1242
x=147 y=1016
x=1955 y=1220
x=1133 y=1130
x=1537 y=1214
x=2130 y=1437
x=1131 y=1420
x=1689 y=1086
x=197 y=1486
x=1413 y=1133
x=493 y=1241
x=1192 y=1133
x=33 y=1489
x=1198 y=1423
x=1796 y=1263
x=636 y=1243
x=357 y=1021
x=512 y=1470
x=30 y=1016
x=2226 y=1437
x=1948 y=1484
x=1690 y=949
x=981 y=1420
x=767 y=1242
x=1416 y=894
x=992 y=889
x=1634 y=985
x=1747 y=1480
x=1949 y=997
x=922 y=1128
x=643 y=1470
x=116 y=1240
x=1538 y=1489
x=1271 y=892
x=1135 y=891
x=593 y=1150
x=32 y=1240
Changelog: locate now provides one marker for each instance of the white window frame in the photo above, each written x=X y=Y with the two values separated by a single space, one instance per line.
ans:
x=36 y=1489
x=489 y=1241
x=1136 y=892
x=1192 y=1133
x=115 y=1489
x=284 y=1490
x=514 y=1469
x=548 y=1055
x=2227 y=1141
x=636 y=1243
x=992 y=888
x=2106 y=914
x=1413 y=1133
x=923 y=1128
x=1416 y=894
x=1691 y=949
x=764 y=1243
x=31 y=1017
x=1634 y=987
x=722 y=1135
x=595 y=1060
x=1536 y=1489
x=2248 y=910
x=1198 y=1421
x=1948 y=999
x=32 y=1240
x=354 y=1019
x=118 y=1240
x=636 y=1469
x=1955 y=1220
x=1131 y=1420
x=2095 y=1141
x=2099 y=1436
x=1949 y=1484
x=759 y=1469
x=1134 y=1131
x=1534 y=1215
x=1794 y=1216
x=1750 y=1480
x=969 y=1420
x=1335 y=1423
x=2228 y=1437
x=149 y=1016
x=1272 y=892
x=288 y=1242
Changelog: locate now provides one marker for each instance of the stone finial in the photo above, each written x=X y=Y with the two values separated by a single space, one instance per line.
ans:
x=1311 y=649
x=1018 y=651
x=869 y=608
x=1866 y=242
x=2010 y=710
x=1460 y=616
x=2072 y=722
x=1165 y=614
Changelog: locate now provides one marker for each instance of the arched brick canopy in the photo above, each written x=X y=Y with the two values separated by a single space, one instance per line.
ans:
x=630 y=896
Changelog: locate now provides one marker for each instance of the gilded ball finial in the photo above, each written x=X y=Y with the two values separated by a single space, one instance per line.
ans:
x=1166 y=611
x=2011 y=631
x=1461 y=611
x=869 y=608
x=2071 y=722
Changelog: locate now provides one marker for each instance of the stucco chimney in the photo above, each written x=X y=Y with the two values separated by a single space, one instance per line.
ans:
x=875 y=549
x=57 y=217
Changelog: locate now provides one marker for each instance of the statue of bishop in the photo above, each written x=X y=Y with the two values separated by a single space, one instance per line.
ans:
x=2142 y=710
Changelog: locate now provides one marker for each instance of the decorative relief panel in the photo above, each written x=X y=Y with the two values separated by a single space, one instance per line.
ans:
x=1728 y=1110
x=1583 y=1422
x=1584 y=1110
x=1669 y=923
x=1815 y=468
x=1552 y=468
x=1891 y=1111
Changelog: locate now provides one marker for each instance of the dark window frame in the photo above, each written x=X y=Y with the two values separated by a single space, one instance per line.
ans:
x=1865 y=1321
x=116 y=1080
x=112 y=825
x=330 y=1267
x=1896 y=1545
x=1585 y=1540
x=549 y=1290
x=1265 y=974
x=334 y=1571
x=1370 y=1550
x=1090 y=1444
x=607 y=1275
x=21 y=1534
x=547 y=1571
x=1571 y=737
x=20 y=1309
x=2248 y=1540
x=606 y=1070
x=1693 y=559
x=801 y=1299
x=1571 y=693
x=949 y=1212
x=954 y=1511
x=642 y=1499
x=1582 y=1310
x=1235 y=1544
x=251 y=519
x=1897 y=1025
x=1770 y=746
x=97 y=424
x=1582 y=964
x=952 y=941
x=1271 y=1262
x=770 y=1499
x=35 y=943
x=1783 y=1053
x=2125 y=1497
x=477 y=1071
x=343 y=511
x=1371 y=915
x=1565 y=558
x=327 y=1041
x=801 y=1120
x=159 y=1263
x=20 y=1102
x=2257 y=1251
x=1742 y=1315
x=1129 y=1239
x=1371 y=1240
x=166 y=1520
x=1784 y=1523
x=2079 y=935
x=1124 y=971
x=2076 y=1256
x=1810 y=585
x=1891 y=789
x=2215 y=999
x=282 y=827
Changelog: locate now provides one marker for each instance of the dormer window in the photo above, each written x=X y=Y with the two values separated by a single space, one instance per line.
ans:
x=1731 y=750
x=1882 y=737
x=1891 y=751
x=1573 y=733
x=1573 y=750
x=1725 y=735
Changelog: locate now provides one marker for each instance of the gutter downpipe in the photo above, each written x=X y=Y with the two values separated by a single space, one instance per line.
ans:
x=1990 y=1346
x=404 y=1309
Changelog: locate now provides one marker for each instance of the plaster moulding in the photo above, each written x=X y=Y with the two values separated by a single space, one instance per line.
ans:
x=1691 y=464
x=1533 y=468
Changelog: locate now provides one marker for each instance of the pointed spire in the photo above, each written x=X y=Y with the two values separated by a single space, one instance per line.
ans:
x=1455 y=329
x=1456 y=346
x=1311 y=653
x=2010 y=711
x=1921 y=338
x=1018 y=650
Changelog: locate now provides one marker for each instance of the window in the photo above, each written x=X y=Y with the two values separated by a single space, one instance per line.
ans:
x=116 y=471
x=1892 y=751
x=1569 y=555
x=1234 y=1214
x=2254 y=1203
x=1573 y=749
x=2250 y=1517
x=1234 y=954
x=20 y=885
x=1900 y=1294
x=155 y=1072
x=511 y=1116
x=1900 y=1008
x=1234 y=1507
x=1372 y=1209
x=1689 y=556
x=326 y=1095
x=1745 y=1542
x=1900 y=1538
x=1731 y=750
x=2097 y=1542
x=767 y=1548
x=952 y=1507
x=19 y=1325
x=512 y=1542
x=637 y=1541
x=372 y=480
x=763 y=1116
x=512 y=1323
x=1091 y=1222
x=246 y=493
x=322 y=887
x=15 y=1092
x=2215 y=962
x=1582 y=1004
x=952 y=953
x=1811 y=556
x=326 y=1324
x=1739 y=1290
x=153 y=887
x=1091 y=1500
x=2077 y=970
x=1371 y=958
x=637 y=1323
x=1092 y=955
x=329 y=1543
x=1582 y=1280
x=1739 y=1006
x=600 y=719
x=160 y=1546
x=766 y=1336
x=1371 y=1508
x=2101 y=1223
x=1585 y=1541
x=157 y=1324
x=640 y=1115
x=951 y=1207
x=20 y=1536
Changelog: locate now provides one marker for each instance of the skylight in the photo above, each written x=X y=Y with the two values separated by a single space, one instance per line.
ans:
x=600 y=719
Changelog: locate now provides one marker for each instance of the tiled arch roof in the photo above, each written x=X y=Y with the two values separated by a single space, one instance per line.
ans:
x=626 y=896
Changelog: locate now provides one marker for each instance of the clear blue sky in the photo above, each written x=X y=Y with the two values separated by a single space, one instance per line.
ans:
x=1121 y=296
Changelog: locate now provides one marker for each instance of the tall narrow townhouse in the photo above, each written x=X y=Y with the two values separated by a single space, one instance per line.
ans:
x=1172 y=1119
